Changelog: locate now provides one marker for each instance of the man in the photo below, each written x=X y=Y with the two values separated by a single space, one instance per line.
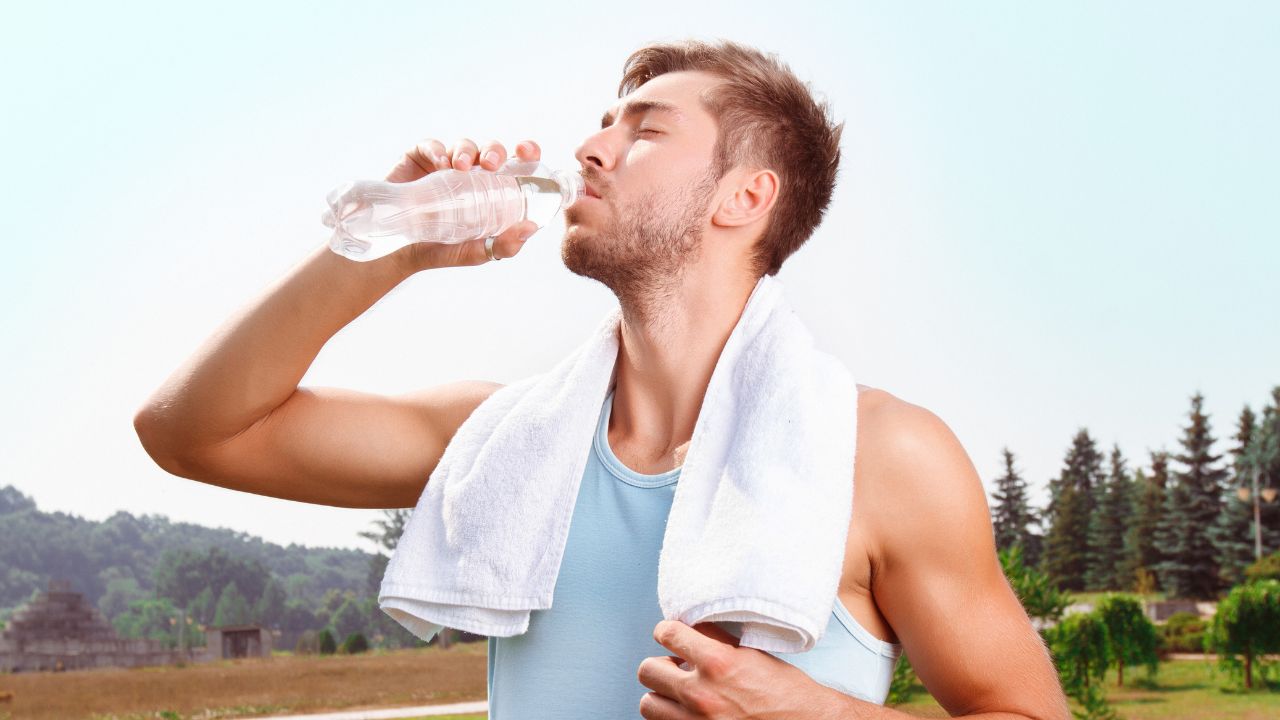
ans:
x=713 y=168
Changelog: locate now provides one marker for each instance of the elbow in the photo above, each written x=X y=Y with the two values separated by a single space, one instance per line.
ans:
x=151 y=435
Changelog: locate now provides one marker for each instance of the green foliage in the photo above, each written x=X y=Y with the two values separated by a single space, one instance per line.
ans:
x=1246 y=627
x=1268 y=568
x=1037 y=593
x=1183 y=633
x=354 y=643
x=1071 y=504
x=1106 y=569
x=232 y=609
x=326 y=642
x=1011 y=514
x=1141 y=550
x=270 y=607
x=1131 y=635
x=1081 y=648
x=1190 y=568
x=348 y=618
x=40 y=546
x=903 y=683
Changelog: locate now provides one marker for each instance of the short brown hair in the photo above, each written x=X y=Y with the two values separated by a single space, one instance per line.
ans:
x=769 y=119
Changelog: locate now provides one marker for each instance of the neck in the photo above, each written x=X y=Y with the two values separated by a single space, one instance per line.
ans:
x=667 y=352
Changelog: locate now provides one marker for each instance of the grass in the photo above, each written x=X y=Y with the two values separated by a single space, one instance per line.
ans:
x=1182 y=690
x=252 y=687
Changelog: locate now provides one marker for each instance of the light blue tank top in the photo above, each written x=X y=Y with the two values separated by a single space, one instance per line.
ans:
x=578 y=659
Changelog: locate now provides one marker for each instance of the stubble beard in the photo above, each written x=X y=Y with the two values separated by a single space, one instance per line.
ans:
x=642 y=255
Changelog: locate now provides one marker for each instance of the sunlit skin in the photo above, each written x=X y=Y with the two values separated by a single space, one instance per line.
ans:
x=920 y=564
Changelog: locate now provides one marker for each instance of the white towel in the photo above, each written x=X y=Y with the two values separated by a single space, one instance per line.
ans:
x=757 y=528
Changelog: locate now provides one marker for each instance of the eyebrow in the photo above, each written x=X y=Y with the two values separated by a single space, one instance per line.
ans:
x=636 y=107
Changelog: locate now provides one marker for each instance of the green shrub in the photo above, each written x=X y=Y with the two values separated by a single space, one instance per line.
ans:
x=308 y=643
x=1183 y=633
x=328 y=645
x=354 y=644
x=1246 y=628
x=901 y=686
x=1268 y=568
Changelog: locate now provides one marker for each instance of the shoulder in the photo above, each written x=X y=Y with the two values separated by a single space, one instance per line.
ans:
x=912 y=477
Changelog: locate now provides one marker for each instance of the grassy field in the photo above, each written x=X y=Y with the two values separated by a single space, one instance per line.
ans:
x=278 y=685
x=1183 y=690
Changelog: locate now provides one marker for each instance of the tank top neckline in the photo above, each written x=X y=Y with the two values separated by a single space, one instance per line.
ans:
x=615 y=466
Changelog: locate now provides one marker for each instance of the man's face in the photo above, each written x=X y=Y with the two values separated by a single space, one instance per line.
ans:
x=650 y=164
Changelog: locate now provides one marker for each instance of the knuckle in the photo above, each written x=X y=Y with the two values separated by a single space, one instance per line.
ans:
x=715 y=665
x=699 y=699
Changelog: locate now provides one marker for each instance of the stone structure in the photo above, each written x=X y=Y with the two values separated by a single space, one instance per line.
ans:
x=61 y=631
x=237 y=641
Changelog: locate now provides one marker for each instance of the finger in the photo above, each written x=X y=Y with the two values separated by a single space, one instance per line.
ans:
x=663 y=675
x=656 y=707
x=423 y=158
x=528 y=150
x=464 y=154
x=492 y=155
x=686 y=642
x=509 y=243
x=716 y=632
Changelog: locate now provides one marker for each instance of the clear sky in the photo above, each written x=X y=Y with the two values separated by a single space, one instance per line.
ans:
x=1048 y=217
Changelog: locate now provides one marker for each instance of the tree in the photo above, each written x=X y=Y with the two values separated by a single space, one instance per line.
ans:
x=269 y=609
x=1010 y=513
x=232 y=609
x=354 y=644
x=1131 y=635
x=327 y=644
x=348 y=619
x=1190 y=567
x=1142 y=553
x=1081 y=649
x=1246 y=625
x=1107 y=526
x=389 y=529
x=1037 y=593
x=1232 y=534
x=1071 y=503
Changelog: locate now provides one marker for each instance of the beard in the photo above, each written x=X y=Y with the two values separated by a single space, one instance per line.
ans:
x=641 y=253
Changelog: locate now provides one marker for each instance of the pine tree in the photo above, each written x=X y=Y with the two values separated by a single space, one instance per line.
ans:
x=1105 y=570
x=1190 y=569
x=1232 y=533
x=1071 y=503
x=1010 y=514
x=1141 y=550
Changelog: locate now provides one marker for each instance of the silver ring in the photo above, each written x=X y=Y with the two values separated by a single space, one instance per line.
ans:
x=488 y=247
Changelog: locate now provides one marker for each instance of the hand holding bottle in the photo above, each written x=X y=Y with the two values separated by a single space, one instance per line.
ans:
x=430 y=156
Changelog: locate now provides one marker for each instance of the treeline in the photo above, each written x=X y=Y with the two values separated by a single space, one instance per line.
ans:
x=1184 y=524
x=130 y=566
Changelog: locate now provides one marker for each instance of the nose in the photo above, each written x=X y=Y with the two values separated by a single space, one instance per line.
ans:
x=595 y=150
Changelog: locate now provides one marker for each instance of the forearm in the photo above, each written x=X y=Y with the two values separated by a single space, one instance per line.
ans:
x=838 y=706
x=252 y=363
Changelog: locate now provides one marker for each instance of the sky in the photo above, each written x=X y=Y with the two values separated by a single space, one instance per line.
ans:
x=1048 y=216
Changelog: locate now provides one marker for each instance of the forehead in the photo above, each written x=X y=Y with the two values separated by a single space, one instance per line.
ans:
x=677 y=95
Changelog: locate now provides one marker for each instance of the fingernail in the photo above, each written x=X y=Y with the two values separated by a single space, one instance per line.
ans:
x=492 y=157
x=463 y=160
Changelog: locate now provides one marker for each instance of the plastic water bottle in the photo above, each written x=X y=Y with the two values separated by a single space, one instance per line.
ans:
x=373 y=218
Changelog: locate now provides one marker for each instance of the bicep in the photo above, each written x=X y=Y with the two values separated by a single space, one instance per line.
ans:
x=939 y=583
x=333 y=446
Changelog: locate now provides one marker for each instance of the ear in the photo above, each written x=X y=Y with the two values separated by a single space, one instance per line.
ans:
x=752 y=199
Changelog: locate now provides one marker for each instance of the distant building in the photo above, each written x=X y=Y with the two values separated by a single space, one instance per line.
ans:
x=60 y=630
x=237 y=641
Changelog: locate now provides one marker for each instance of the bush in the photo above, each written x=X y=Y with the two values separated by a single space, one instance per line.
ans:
x=308 y=643
x=901 y=686
x=1246 y=628
x=354 y=644
x=327 y=644
x=1183 y=633
x=1268 y=568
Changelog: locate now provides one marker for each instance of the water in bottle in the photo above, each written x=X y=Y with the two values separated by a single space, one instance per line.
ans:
x=372 y=218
